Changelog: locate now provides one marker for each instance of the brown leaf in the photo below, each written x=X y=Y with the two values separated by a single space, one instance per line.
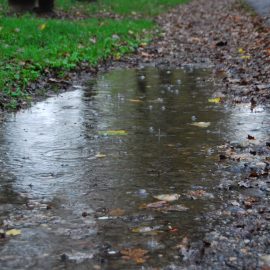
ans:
x=250 y=201
x=158 y=204
x=118 y=212
x=253 y=174
x=197 y=193
x=136 y=254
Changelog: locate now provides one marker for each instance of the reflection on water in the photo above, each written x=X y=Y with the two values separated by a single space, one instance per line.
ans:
x=57 y=189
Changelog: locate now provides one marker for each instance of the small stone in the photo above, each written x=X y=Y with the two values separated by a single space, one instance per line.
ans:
x=84 y=214
x=64 y=257
x=266 y=259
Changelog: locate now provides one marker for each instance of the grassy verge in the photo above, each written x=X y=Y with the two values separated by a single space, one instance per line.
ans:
x=30 y=46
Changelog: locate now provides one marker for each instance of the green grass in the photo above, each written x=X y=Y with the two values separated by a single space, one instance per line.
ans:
x=31 y=46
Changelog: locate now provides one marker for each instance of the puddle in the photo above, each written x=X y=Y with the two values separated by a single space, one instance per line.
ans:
x=79 y=171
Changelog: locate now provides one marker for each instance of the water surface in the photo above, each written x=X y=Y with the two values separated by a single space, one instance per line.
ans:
x=62 y=177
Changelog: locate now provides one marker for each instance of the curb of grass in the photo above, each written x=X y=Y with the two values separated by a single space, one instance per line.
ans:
x=40 y=56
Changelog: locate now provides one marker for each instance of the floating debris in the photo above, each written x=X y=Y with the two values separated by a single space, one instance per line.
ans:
x=13 y=232
x=138 y=255
x=214 y=100
x=201 y=124
x=99 y=155
x=119 y=132
x=167 y=197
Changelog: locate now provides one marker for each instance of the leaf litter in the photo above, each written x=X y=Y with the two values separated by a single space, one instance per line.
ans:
x=137 y=255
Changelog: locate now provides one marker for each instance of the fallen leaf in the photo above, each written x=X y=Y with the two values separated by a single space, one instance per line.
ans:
x=118 y=212
x=146 y=229
x=214 y=100
x=254 y=174
x=117 y=56
x=201 y=124
x=156 y=204
x=245 y=57
x=99 y=155
x=175 y=208
x=42 y=26
x=241 y=50
x=173 y=230
x=248 y=202
x=197 y=193
x=135 y=100
x=146 y=55
x=113 y=132
x=13 y=232
x=167 y=197
x=143 y=44
x=137 y=255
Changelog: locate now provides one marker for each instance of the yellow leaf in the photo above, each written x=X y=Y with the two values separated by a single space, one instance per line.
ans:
x=241 y=50
x=42 y=26
x=139 y=260
x=99 y=155
x=214 y=100
x=245 y=57
x=135 y=100
x=13 y=232
x=117 y=56
x=143 y=44
x=113 y=132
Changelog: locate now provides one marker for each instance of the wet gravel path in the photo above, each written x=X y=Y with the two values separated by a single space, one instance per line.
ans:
x=227 y=36
x=221 y=34
x=224 y=35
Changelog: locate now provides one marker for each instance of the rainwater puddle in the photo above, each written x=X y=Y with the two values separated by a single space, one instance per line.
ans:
x=79 y=172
